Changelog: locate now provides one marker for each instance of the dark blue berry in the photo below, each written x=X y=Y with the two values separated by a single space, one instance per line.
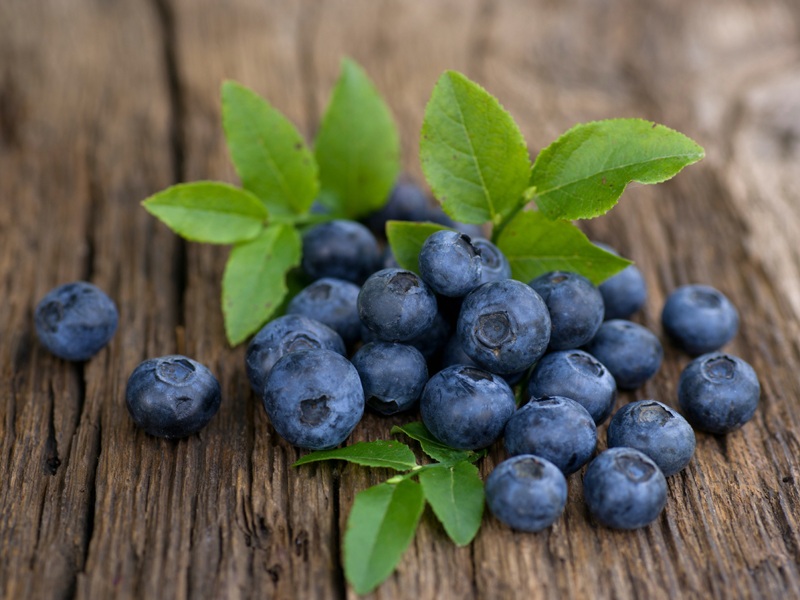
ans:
x=718 y=392
x=558 y=429
x=392 y=375
x=577 y=375
x=575 y=306
x=494 y=264
x=280 y=336
x=449 y=263
x=504 y=326
x=407 y=202
x=624 y=489
x=333 y=302
x=699 y=318
x=465 y=407
x=172 y=396
x=396 y=305
x=631 y=352
x=655 y=429
x=624 y=293
x=314 y=398
x=76 y=320
x=526 y=492
x=340 y=249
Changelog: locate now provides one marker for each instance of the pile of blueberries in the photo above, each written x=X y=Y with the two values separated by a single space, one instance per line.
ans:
x=455 y=340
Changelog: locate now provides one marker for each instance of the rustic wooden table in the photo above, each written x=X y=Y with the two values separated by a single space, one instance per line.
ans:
x=104 y=103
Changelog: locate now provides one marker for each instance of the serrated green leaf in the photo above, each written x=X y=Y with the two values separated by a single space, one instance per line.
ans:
x=430 y=445
x=269 y=154
x=380 y=527
x=406 y=239
x=209 y=211
x=472 y=152
x=254 y=282
x=583 y=173
x=357 y=147
x=535 y=245
x=455 y=494
x=380 y=453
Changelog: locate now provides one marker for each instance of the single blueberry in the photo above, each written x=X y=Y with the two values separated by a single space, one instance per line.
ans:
x=624 y=293
x=333 y=302
x=392 y=375
x=280 y=336
x=449 y=263
x=699 y=318
x=577 y=375
x=172 y=396
x=655 y=429
x=575 y=306
x=314 y=398
x=396 y=305
x=465 y=407
x=407 y=202
x=624 y=489
x=631 y=352
x=340 y=249
x=504 y=326
x=718 y=392
x=494 y=264
x=555 y=428
x=526 y=492
x=76 y=320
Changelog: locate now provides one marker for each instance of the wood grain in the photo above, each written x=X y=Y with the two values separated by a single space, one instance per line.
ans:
x=104 y=103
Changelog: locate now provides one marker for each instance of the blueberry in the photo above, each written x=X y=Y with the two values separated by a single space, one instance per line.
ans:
x=631 y=352
x=76 y=320
x=699 y=318
x=494 y=264
x=314 y=398
x=431 y=342
x=449 y=263
x=624 y=293
x=172 y=396
x=280 y=336
x=624 y=489
x=577 y=375
x=396 y=305
x=392 y=375
x=718 y=392
x=555 y=428
x=407 y=202
x=655 y=429
x=466 y=407
x=332 y=302
x=340 y=249
x=526 y=492
x=575 y=305
x=504 y=326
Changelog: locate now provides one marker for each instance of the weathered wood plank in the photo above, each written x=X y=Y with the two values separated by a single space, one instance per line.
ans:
x=122 y=99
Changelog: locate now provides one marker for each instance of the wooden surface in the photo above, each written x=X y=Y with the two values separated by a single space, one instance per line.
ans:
x=105 y=102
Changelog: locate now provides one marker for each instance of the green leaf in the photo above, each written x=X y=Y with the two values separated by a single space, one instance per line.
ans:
x=406 y=239
x=254 y=282
x=535 y=245
x=209 y=211
x=269 y=154
x=380 y=453
x=380 y=527
x=473 y=154
x=455 y=494
x=357 y=147
x=430 y=445
x=583 y=173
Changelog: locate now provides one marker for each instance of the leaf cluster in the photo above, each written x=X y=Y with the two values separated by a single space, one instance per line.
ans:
x=285 y=186
x=384 y=517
